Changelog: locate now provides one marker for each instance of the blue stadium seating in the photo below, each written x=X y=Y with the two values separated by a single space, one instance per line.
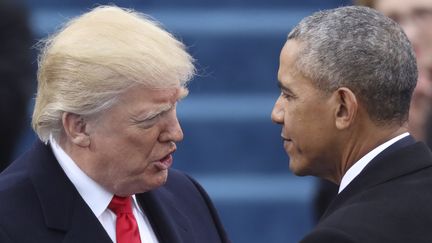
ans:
x=82 y=4
x=230 y=144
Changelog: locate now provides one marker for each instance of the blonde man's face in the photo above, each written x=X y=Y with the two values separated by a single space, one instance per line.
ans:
x=132 y=143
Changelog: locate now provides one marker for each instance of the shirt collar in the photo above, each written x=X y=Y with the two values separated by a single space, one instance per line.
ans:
x=96 y=197
x=357 y=167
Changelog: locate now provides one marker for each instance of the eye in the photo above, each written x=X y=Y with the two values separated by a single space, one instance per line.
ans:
x=287 y=96
x=152 y=118
x=146 y=123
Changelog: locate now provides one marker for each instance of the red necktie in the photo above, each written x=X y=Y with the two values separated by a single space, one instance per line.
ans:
x=126 y=225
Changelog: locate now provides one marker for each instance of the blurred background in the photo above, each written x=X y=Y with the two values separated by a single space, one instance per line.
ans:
x=231 y=146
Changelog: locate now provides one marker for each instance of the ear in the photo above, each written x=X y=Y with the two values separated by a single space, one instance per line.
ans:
x=75 y=129
x=347 y=108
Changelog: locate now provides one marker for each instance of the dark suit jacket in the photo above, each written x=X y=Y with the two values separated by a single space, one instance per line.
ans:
x=390 y=201
x=39 y=204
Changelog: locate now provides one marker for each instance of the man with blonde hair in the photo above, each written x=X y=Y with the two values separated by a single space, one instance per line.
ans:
x=105 y=112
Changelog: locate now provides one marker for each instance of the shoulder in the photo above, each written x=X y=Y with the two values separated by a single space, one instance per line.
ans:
x=183 y=187
x=180 y=180
x=177 y=175
x=14 y=183
x=19 y=202
x=190 y=198
x=16 y=177
x=18 y=194
x=186 y=191
x=328 y=235
x=4 y=237
x=379 y=214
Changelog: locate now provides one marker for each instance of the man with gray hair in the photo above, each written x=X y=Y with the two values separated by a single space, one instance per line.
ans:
x=346 y=77
x=105 y=113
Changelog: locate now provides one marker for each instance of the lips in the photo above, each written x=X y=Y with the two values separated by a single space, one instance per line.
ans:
x=285 y=138
x=286 y=143
x=166 y=162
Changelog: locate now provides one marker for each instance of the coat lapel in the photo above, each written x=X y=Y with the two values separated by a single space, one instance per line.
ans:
x=63 y=208
x=85 y=227
x=401 y=158
x=169 y=224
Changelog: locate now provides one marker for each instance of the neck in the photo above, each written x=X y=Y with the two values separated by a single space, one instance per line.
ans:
x=361 y=142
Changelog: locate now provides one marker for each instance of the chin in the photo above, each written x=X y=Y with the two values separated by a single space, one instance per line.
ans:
x=298 y=170
x=142 y=185
x=157 y=181
x=299 y=173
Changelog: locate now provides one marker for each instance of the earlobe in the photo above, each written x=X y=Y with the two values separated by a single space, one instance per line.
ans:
x=75 y=129
x=347 y=108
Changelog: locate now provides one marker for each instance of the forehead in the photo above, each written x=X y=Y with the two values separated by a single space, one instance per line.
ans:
x=290 y=78
x=153 y=95
x=141 y=99
x=389 y=7
x=288 y=58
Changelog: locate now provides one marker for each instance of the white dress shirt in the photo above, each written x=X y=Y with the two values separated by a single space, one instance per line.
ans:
x=98 y=198
x=357 y=167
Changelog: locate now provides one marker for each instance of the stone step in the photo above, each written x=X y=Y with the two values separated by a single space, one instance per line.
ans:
x=229 y=133
x=258 y=208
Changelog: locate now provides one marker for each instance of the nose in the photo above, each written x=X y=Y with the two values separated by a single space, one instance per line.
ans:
x=172 y=130
x=277 y=114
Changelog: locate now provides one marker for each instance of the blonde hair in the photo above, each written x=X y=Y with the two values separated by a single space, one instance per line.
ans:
x=97 y=56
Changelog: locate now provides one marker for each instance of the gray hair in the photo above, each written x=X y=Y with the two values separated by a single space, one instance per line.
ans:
x=361 y=49
x=99 y=55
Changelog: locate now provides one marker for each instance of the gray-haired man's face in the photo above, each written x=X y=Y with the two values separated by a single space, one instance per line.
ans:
x=306 y=117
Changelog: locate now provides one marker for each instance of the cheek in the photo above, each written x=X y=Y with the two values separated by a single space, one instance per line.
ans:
x=133 y=148
x=143 y=139
x=293 y=119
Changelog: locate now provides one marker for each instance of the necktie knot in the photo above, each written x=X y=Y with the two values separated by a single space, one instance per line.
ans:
x=121 y=205
x=126 y=226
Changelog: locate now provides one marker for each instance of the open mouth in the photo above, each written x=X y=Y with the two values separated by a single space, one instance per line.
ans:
x=166 y=159
x=165 y=163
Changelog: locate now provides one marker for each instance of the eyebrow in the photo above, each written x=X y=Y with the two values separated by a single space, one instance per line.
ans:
x=283 y=87
x=153 y=113
x=159 y=110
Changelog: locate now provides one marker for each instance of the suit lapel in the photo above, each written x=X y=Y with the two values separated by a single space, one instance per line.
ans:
x=85 y=227
x=401 y=158
x=169 y=224
x=63 y=208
